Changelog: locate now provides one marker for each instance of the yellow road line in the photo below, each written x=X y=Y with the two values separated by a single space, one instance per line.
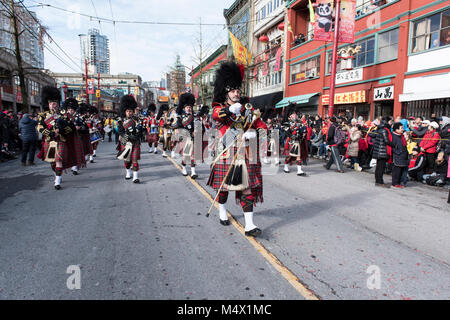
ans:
x=270 y=257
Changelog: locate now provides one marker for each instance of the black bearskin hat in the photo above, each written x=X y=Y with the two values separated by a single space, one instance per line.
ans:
x=93 y=110
x=50 y=94
x=186 y=99
x=70 y=103
x=228 y=77
x=83 y=108
x=290 y=109
x=203 y=111
x=151 y=108
x=127 y=102
x=162 y=108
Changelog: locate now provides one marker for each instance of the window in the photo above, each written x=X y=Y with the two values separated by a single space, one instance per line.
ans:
x=367 y=54
x=263 y=13
x=388 y=45
x=431 y=32
x=305 y=70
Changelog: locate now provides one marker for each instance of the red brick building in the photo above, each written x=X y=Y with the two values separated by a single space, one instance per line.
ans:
x=403 y=67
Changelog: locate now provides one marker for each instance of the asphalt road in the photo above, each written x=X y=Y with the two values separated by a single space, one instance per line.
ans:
x=153 y=241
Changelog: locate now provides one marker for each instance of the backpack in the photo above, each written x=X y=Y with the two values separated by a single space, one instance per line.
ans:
x=339 y=136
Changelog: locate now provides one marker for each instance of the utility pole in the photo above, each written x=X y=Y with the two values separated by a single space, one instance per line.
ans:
x=334 y=59
x=201 y=61
x=98 y=95
x=86 y=72
x=23 y=87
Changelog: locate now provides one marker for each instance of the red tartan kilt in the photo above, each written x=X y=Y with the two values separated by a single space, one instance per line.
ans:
x=61 y=155
x=86 y=143
x=75 y=152
x=220 y=169
x=135 y=152
x=152 y=138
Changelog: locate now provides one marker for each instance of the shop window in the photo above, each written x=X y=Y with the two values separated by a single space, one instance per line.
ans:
x=304 y=70
x=367 y=54
x=388 y=45
x=431 y=32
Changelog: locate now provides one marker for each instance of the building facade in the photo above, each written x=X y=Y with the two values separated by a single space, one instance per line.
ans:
x=203 y=78
x=401 y=69
x=266 y=73
x=95 y=51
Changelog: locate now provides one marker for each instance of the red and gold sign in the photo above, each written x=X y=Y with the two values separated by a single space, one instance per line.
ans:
x=346 y=97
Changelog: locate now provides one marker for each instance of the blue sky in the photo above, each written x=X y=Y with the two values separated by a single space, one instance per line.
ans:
x=147 y=50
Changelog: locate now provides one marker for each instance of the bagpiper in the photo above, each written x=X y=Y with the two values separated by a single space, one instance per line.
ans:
x=165 y=126
x=294 y=148
x=185 y=128
x=93 y=123
x=83 y=131
x=152 y=128
x=233 y=170
x=130 y=133
x=55 y=130
x=74 y=142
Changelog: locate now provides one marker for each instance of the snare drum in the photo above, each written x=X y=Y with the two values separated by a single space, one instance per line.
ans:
x=95 y=137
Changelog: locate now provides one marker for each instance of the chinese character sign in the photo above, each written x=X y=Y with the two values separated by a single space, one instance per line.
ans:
x=90 y=89
x=347 y=22
x=323 y=20
x=239 y=51
x=346 y=97
x=277 y=60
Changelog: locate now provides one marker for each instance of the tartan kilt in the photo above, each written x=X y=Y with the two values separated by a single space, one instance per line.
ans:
x=152 y=138
x=255 y=180
x=135 y=152
x=75 y=152
x=61 y=154
x=86 y=143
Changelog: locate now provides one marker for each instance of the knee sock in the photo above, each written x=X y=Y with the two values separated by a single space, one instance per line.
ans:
x=223 y=197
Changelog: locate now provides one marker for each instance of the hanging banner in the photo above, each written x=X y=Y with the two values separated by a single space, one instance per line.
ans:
x=347 y=22
x=266 y=65
x=277 y=60
x=323 y=20
x=90 y=89
x=240 y=52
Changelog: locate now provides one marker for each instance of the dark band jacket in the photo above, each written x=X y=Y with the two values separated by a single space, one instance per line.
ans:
x=53 y=125
x=296 y=132
x=130 y=129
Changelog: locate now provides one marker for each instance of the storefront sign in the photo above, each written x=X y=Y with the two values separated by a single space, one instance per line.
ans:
x=349 y=76
x=346 y=97
x=383 y=93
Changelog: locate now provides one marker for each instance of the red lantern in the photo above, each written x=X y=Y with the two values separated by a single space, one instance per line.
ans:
x=264 y=38
x=281 y=26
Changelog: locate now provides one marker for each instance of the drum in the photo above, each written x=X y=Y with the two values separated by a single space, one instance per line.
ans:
x=107 y=129
x=95 y=137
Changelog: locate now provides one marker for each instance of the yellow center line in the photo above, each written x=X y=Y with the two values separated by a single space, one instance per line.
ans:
x=270 y=257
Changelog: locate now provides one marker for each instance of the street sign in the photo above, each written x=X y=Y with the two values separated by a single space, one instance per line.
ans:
x=384 y=81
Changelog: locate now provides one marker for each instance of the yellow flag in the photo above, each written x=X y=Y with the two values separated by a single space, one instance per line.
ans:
x=240 y=52
x=312 y=15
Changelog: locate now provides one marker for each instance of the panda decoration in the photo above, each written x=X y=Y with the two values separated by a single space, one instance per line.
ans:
x=325 y=16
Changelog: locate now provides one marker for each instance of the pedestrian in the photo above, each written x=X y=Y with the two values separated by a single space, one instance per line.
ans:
x=28 y=133
x=416 y=165
x=381 y=150
x=428 y=145
x=354 y=134
x=334 y=140
x=399 y=155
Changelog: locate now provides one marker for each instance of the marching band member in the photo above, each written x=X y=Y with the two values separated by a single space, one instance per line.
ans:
x=186 y=123
x=152 y=129
x=93 y=123
x=166 y=128
x=231 y=118
x=74 y=143
x=130 y=132
x=296 y=134
x=54 y=130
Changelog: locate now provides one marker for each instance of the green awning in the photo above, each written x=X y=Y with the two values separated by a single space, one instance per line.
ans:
x=301 y=99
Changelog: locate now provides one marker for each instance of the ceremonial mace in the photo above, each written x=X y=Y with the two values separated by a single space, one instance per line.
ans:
x=256 y=116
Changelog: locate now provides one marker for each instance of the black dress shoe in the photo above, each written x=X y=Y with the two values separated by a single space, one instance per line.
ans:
x=75 y=173
x=58 y=187
x=92 y=161
x=94 y=155
x=224 y=222
x=194 y=176
x=127 y=178
x=253 y=233
x=136 y=181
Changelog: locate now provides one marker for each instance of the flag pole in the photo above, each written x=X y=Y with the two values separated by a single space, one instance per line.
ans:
x=334 y=59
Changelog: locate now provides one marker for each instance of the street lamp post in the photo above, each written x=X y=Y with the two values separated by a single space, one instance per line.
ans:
x=334 y=60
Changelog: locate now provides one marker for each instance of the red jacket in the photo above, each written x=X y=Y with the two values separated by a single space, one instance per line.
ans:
x=224 y=123
x=430 y=141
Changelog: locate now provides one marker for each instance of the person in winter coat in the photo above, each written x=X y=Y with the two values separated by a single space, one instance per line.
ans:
x=428 y=145
x=354 y=134
x=334 y=156
x=416 y=165
x=382 y=138
x=440 y=172
x=420 y=127
x=399 y=155
x=28 y=132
